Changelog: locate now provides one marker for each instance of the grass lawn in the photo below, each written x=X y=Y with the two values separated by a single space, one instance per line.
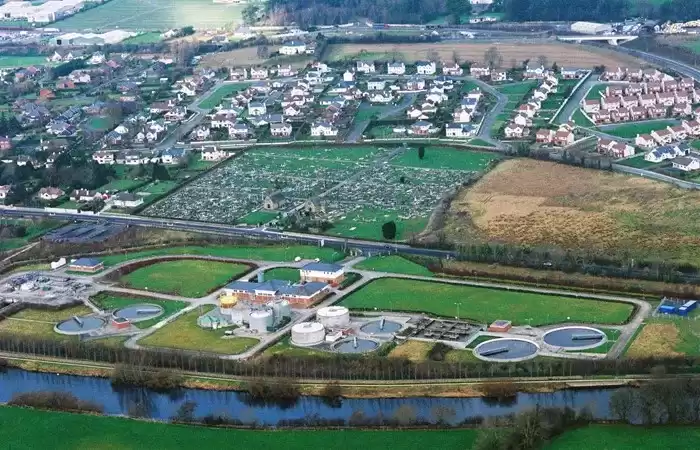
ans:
x=9 y=61
x=188 y=278
x=638 y=161
x=595 y=92
x=695 y=144
x=27 y=429
x=519 y=89
x=272 y=253
x=480 y=142
x=258 y=217
x=157 y=188
x=184 y=333
x=624 y=437
x=221 y=93
x=146 y=38
x=481 y=304
x=444 y=158
x=40 y=323
x=114 y=301
x=99 y=123
x=283 y=273
x=632 y=130
x=34 y=229
x=120 y=185
x=365 y=112
x=367 y=224
x=393 y=264
x=284 y=347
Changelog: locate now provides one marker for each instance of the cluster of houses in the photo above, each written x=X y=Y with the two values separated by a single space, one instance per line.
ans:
x=495 y=75
x=562 y=137
x=519 y=126
x=169 y=156
x=652 y=98
x=613 y=148
x=668 y=135
x=460 y=126
x=84 y=196
x=681 y=156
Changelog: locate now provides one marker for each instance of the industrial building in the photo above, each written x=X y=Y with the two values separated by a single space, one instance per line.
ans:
x=298 y=295
x=308 y=333
x=591 y=28
x=258 y=318
x=86 y=265
x=110 y=37
x=46 y=12
x=333 y=274
x=333 y=317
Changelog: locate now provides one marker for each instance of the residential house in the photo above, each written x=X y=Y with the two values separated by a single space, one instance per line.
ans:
x=647 y=100
x=614 y=91
x=452 y=68
x=539 y=95
x=686 y=163
x=544 y=136
x=213 y=153
x=256 y=109
x=513 y=131
x=656 y=112
x=637 y=113
x=5 y=143
x=65 y=55
x=46 y=94
x=64 y=83
x=259 y=73
x=602 y=116
x=281 y=129
x=274 y=201
x=562 y=138
x=479 y=72
x=664 y=153
x=162 y=107
x=292 y=111
x=610 y=102
x=376 y=85
x=396 y=68
x=499 y=75
x=223 y=120
x=620 y=115
x=654 y=88
x=591 y=106
x=421 y=128
x=173 y=155
x=613 y=75
x=4 y=192
x=527 y=110
x=382 y=97
x=666 y=99
x=239 y=131
x=324 y=129
x=681 y=109
x=238 y=74
x=461 y=115
x=630 y=101
x=365 y=67
x=176 y=114
x=126 y=200
x=645 y=141
x=634 y=89
x=293 y=48
x=663 y=137
x=679 y=133
x=286 y=71
x=621 y=150
x=634 y=75
x=201 y=133
x=415 y=84
x=50 y=193
x=103 y=157
x=522 y=120
x=572 y=74
x=348 y=76
x=84 y=195
x=534 y=72
x=692 y=127
x=415 y=113
x=426 y=68
x=459 y=130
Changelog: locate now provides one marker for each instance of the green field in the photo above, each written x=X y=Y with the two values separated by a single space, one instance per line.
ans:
x=632 y=130
x=8 y=61
x=365 y=112
x=367 y=224
x=40 y=323
x=275 y=253
x=99 y=123
x=638 y=161
x=520 y=89
x=482 y=304
x=33 y=229
x=445 y=158
x=283 y=273
x=627 y=437
x=184 y=333
x=259 y=217
x=188 y=278
x=580 y=119
x=150 y=15
x=393 y=264
x=120 y=185
x=221 y=93
x=150 y=37
x=595 y=92
x=28 y=429
x=113 y=301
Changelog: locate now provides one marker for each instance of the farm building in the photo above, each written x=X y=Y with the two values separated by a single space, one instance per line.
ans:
x=86 y=265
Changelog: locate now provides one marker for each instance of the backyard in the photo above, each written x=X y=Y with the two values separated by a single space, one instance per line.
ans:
x=630 y=131
x=481 y=304
x=188 y=278
x=184 y=333
x=221 y=93
x=109 y=301
x=373 y=192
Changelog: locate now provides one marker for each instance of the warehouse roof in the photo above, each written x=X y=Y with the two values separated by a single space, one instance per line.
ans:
x=86 y=262
x=322 y=267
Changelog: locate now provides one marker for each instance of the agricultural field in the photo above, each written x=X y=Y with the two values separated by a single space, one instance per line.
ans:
x=562 y=54
x=183 y=333
x=630 y=131
x=9 y=61
x=153 y=15
x=357 y=189
x=33 y=428
x=40 y=323
x=627 y=437
x=542 y=203
x=188 y=278
x=393 y=264
x=482 y=304
x=221 y=93
x=248 y=56
x=150 y=37
x=109 y=301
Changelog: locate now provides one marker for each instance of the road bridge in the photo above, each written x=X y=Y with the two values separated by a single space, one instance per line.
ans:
x=612 y=40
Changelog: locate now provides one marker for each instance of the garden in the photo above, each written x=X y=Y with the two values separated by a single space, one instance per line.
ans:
x=482 y=304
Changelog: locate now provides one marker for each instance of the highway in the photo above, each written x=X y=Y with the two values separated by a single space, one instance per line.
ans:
x=366 y=247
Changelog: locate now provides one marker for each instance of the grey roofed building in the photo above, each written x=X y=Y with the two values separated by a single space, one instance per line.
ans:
x=322 y=267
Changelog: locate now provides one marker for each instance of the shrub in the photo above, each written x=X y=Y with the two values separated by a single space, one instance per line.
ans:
x=59 y=401
x=159 y=380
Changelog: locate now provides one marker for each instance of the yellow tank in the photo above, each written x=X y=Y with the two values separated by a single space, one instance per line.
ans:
x=228 y=301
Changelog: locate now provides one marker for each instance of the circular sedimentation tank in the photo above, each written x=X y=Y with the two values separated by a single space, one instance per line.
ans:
x=79 y=325
x=139 y=313
x=355 y=345
x=506 y=349
x=575 y=337
x=381 y=327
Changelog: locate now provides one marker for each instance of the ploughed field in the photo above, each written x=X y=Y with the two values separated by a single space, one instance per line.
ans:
x=532 y=202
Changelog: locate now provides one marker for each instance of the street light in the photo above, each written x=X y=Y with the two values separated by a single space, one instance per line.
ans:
x=458 y=305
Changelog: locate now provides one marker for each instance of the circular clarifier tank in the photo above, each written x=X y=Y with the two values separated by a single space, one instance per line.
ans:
x=507 y=349
x=140 y=312
x=355 y=345
x=575 y=337
x=381 y=326
x=79 y=325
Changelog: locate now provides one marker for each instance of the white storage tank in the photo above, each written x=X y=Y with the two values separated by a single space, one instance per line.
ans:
x=308 y=333
x=333 y=316
x=260 y=320
x=281 y=309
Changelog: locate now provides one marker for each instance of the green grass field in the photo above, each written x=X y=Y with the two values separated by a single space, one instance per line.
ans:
x=153 y=15
x=9 y=61
x=221 y=93
x=184 y=333
x=29 y=429
x=259 y=217
x=581 y=120
x=520 y=88
x=365 y=112
x=595 y=92
x=632 y=130
x=40 y=323
x=367 y=224
x=627 y=437
x=276 y=253
x=150 y=37
x=283 y=273
x=483 y=305
x=112 y=301
x=188 y=278
x=445 y=158
x=393 y=264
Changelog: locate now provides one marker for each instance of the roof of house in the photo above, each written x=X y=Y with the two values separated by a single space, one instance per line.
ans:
x=86 y=262
x=323 y=267
x=125 y=197
x=683 y=161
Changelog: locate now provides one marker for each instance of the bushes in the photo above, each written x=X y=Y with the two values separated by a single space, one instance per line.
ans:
x=261 y=392
x=350 y=278
x=59 y=401
x=438 y=352
x=160 y=380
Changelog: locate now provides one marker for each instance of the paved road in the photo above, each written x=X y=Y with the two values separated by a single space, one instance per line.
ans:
x=574 y=102
x=490 y=118
x=388 y=111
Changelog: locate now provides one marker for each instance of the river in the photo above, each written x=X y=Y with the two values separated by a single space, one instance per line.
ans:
x=235 y=405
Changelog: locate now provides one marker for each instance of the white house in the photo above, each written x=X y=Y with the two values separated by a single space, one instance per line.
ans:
x=103 y=157
x=50 y=193
x=256 y=109
x=365 y=67
x=459 y=130
x=293 y=48
x=324 y=129
x=686 y=163
x=396 y=68
x=376 y=85
x=461 y=116
x=645 y=141
x=212 y=153
x=4 y=191
x=425 y=68
x=281 y=129
x=381 y=97
x=348 y=76
x=452 y=69
x=126 y=200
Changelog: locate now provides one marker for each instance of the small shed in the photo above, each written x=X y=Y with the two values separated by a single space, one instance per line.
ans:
x=86 y=265
x=500 y=326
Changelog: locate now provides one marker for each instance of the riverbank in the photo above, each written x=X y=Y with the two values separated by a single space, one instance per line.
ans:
x=473 y=388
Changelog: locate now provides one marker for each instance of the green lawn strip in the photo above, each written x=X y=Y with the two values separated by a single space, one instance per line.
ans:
x=631 y=131
x=365 y=112
x=480 y=340
x=112 y=301
x=689 y=330
x=145 y=38
x=480 y=142
x=638 y=161
x=29 y=429
x=393 y=264
x=187 y=277
x=257 y=217
x=445 y=158
x=272 y=253
x=623 y=437
x=283 y=273
x=286 y=348
x=520 y=89
x=120 y=185
x=184 y=333
x=482 y=304
x=40 y=323
x=221 y=93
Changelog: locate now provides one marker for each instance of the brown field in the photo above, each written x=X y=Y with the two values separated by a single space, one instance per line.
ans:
x=562 y=54
x=415 y=351
x=656 y=339
x=543 y=203
x=248 y=56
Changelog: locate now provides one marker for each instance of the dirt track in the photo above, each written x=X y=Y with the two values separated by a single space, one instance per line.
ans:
x=571 y=55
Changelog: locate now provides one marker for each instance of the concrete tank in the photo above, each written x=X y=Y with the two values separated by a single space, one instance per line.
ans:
x=308 y=333
x=333 y=316
x=260 y=321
